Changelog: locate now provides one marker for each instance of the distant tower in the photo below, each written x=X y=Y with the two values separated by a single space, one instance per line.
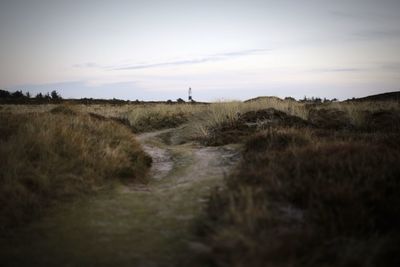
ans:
x=190 y=94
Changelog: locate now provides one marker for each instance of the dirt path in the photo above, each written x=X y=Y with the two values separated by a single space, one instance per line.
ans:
x=136 y=225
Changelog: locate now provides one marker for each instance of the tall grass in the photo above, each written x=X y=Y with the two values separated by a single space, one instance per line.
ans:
x=218 y=115
x=46 y=157
x=159 y=116
x=204 y=120
x=335 y=115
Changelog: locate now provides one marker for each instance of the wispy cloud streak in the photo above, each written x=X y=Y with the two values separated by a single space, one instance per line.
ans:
x=338 y=70
x=378 y=34
x=87 y=65
x=210 y=58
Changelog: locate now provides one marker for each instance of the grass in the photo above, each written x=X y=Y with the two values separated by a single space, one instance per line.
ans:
x=204 y=120
x=226 y=122
x=309 y=196
x=358 y=114
x=317 y=184
x=222 y=122
x=52 y=156
x=160 y=116
x=139 y=117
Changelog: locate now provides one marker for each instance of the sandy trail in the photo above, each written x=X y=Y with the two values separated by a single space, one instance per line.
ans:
x=135 y=225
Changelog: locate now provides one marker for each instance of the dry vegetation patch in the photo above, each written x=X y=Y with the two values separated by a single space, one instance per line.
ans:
x=160 y=116
x=47 y=157
x=233 y=122
x=309 y=197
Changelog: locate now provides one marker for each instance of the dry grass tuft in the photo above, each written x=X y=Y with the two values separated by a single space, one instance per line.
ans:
x=225 y=123
x=160 y=116
x=47 y=157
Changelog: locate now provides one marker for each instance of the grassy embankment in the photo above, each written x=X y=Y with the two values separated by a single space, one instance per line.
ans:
x=317 y=186
x=51 y=156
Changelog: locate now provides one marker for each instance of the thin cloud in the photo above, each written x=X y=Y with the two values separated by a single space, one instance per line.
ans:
x=211 y=58
x=87 y=65
x=378 y=34
x=338 y=70
x=388 y=66
x=391 y=66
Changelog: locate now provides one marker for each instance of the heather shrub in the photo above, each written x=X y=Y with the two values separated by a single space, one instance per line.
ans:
x=305 y=199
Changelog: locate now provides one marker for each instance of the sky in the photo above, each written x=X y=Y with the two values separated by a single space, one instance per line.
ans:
x=223 y=50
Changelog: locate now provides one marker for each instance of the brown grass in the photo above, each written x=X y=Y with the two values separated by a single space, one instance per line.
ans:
x=317 y=186
x=160 y=116
x=309 y=197
x=46 y=157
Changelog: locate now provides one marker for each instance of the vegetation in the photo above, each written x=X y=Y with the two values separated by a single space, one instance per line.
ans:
x=18 y=97
x=160 y=116
x=228 y=122
x=51 y=156
x=321 y=191
x=390 y=96
x=317 y=184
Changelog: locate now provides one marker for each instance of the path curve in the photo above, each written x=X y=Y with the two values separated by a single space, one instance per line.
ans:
x=136 y=225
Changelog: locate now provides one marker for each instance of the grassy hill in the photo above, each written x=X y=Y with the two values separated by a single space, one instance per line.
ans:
x=391 y=96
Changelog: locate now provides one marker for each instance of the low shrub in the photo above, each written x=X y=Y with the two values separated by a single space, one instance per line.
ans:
x=299 y=199
x=382 y=121
x=329 y=118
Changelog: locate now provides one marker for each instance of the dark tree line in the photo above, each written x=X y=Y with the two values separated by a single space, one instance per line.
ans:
x=315 y=100
x=18 y=95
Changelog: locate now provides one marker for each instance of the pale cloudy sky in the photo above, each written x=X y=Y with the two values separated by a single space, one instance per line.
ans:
x=237 y=49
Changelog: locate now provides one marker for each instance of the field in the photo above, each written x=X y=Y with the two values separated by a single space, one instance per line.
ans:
x=266 y=182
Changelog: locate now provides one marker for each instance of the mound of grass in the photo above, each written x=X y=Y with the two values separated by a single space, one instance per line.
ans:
x=226 y=133
x=329 y=118
x=155 y=117
x=52 y=156
x=238 y=127
x=272 y=117
x=382 y=121
x=63 y=109
x=156 y=121
x=232 y=122
x=305 y=199
x=229 y=122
